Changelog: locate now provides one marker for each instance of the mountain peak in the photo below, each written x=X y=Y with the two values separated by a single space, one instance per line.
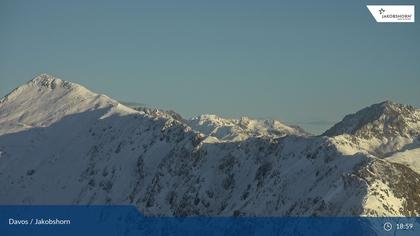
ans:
x=390 y=106
x=44 y=77
x=386 y=118
x=206 y=117
x=51 y=82
x=46 y=99
x=388 y=103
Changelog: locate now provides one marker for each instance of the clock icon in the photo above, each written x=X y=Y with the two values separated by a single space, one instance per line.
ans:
x=387 y=226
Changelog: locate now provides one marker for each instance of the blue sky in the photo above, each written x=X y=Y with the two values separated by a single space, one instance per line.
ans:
x=305 y=62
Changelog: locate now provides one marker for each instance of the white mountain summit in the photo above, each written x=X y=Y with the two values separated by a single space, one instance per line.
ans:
x=243 y=128
x=45 y=100
x=63 y=144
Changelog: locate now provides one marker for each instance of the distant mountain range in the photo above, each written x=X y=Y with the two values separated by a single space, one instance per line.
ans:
x=63 y=144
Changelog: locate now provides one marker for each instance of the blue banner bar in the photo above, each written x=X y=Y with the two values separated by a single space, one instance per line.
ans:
x=127 y=220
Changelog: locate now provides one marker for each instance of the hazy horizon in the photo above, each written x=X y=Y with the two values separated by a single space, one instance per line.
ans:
x=305 y=63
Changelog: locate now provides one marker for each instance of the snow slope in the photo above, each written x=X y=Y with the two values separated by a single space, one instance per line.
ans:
x=409 y=158
x=62 y=144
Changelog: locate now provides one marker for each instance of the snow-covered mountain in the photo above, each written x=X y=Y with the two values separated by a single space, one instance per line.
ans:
x=224 y=129
x=62 y=144
x=381 y=129
x=241 y=129
x=160 y=113
x=45 y=100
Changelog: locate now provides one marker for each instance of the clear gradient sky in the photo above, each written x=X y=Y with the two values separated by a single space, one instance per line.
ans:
x=306 y=62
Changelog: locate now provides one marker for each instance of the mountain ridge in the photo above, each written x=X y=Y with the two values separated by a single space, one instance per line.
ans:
x=381 y=129
x=60 y=147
